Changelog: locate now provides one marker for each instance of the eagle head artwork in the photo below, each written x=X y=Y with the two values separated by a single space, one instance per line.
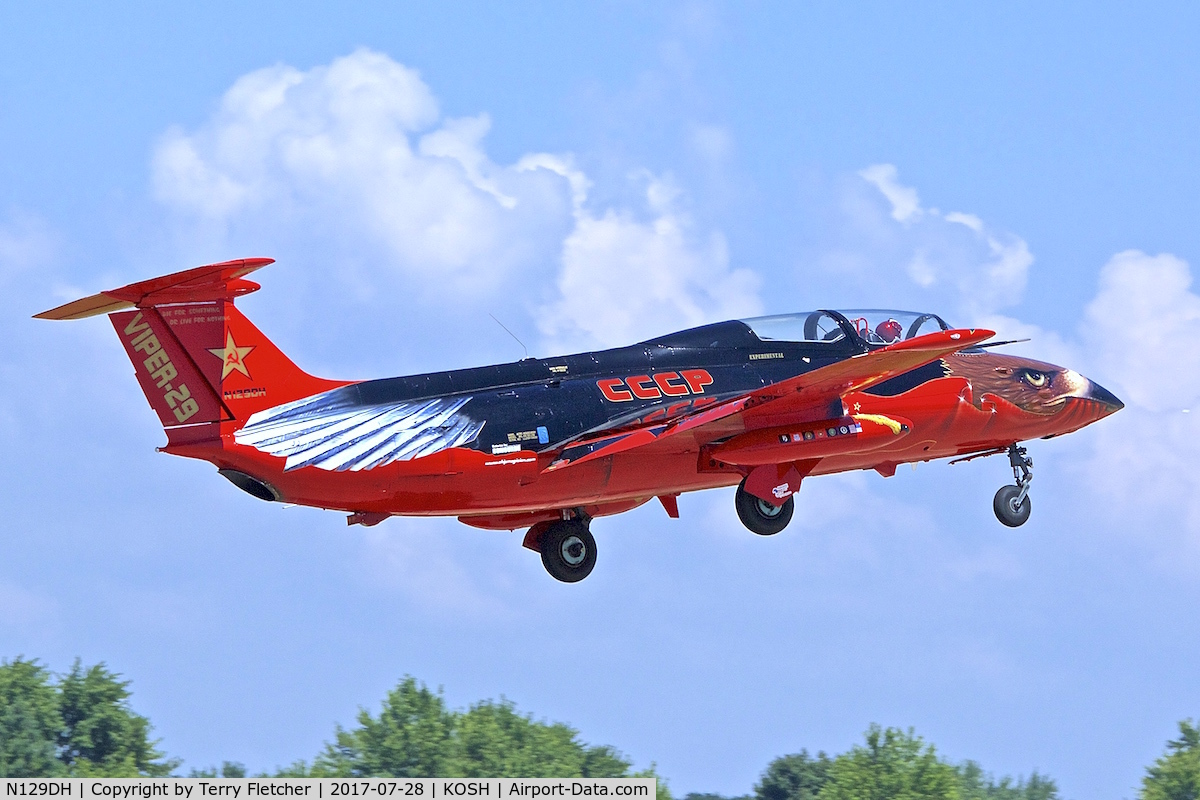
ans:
x=1035 y=387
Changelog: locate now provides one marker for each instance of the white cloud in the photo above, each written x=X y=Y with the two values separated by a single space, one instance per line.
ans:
x=333 y=149
x=906 y=205
x=459 y=139
x=625 y=279
x=1137 y=335
x=354 y=157
x=1133 y=338
x=911 y=256
x=25 y=241
x=1042 y=344
x=27 y=246
x=1142 y=325
x=357 y=151
x=713 y=143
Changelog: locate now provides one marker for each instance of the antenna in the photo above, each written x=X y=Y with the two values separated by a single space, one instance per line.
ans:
x=1001 y=344
x=510 y=333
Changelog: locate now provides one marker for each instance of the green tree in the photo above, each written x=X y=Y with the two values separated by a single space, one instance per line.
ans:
x=975 y=784
x=795 y=777
x=662 y=791
x=495 y=740
x=101 y=735
x=413 y=737
x=29 y=721
x=229 y=769
x=602 y=761
x=297 y=769
x=892 y=765
x=1176 y=776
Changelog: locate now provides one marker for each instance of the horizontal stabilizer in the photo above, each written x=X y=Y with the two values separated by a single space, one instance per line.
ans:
x=222 y=281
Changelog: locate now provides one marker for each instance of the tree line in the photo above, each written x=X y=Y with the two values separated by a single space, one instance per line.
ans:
x=81 y=724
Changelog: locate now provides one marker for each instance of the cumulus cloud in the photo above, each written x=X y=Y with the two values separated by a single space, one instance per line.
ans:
x=26 y=245
x=25 y=241
x=356 y=152
x=891 y=250
x=1139 y=326
x=1136 y=334
x=895 y=252
x=625 y=279
x=906 y=205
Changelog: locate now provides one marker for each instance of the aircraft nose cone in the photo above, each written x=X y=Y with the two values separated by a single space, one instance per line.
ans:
x=1084 y=401
x=1101 y=395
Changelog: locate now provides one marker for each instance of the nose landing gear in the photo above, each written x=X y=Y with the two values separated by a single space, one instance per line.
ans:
x=1012 y=504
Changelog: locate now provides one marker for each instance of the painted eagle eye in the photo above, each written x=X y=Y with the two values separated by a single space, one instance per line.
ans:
x=1034 y=378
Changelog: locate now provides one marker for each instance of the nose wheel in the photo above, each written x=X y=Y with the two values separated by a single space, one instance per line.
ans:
x=568 y=550
x=1011 y=503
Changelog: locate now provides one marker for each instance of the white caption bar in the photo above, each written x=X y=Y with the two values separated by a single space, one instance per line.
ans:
x=321 y=788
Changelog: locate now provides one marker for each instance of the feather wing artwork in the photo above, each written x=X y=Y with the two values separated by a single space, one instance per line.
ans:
x=332 y=431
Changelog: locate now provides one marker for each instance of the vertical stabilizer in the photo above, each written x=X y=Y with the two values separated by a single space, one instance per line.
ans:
x=197 y=358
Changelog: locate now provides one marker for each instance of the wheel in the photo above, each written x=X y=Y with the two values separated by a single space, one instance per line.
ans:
x=760 y=516
x=1007 y=511
x=568 y=551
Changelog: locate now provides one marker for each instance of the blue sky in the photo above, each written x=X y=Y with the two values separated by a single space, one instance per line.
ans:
x=592 y=175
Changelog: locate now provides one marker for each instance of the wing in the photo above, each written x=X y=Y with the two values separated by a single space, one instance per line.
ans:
x=330 y=431
x=802 y=398
x=831 y=382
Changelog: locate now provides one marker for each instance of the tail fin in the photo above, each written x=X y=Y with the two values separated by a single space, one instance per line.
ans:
x=197 y=358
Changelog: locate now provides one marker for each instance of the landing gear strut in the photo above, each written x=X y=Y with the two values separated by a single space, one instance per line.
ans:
x=1012 y=504
x=568 y=549
x=760 y=516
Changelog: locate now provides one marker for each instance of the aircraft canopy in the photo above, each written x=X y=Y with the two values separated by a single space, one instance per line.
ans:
x=875 y=326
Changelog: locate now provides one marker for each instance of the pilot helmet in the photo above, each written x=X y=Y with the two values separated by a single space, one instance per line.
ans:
x=889 y=330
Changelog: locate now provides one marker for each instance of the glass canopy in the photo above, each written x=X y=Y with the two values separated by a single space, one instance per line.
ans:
x=875 y=326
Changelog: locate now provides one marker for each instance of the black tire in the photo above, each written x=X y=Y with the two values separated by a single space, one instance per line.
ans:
x=1006 y=511
x=760 y=516
x=568 y=551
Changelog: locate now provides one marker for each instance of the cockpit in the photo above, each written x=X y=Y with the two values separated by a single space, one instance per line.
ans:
x=874 y=326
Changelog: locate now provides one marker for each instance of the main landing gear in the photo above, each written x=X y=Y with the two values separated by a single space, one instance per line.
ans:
x=1012 y=504
x=568 y=549
x=760 y=516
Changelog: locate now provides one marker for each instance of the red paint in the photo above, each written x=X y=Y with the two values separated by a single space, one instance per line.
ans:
x=652 y=387
x=663 y=379
x=768 y=446
x=697 y=379
x=637 y=385
x=608 y=387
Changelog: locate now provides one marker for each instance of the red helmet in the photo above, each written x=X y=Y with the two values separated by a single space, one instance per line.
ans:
x=889 y=330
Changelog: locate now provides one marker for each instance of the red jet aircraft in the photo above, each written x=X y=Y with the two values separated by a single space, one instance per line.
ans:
x=549 y=444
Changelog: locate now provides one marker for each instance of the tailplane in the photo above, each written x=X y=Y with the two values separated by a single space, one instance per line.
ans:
x=198 y=359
